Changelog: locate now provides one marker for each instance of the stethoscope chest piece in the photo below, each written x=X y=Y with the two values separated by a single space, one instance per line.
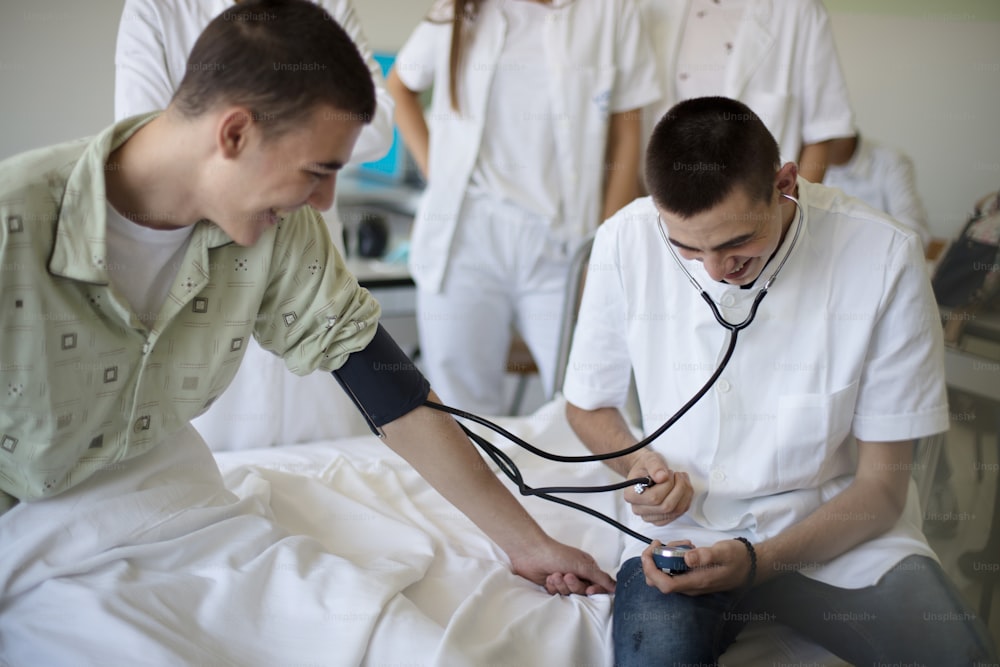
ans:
x=761 y=292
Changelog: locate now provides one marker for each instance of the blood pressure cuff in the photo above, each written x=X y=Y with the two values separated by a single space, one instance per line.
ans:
x=382 y=381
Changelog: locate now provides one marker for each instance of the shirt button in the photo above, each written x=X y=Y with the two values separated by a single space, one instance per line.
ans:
x=728 y=299
x=718 y=476
x=723 y=386
x=145 y=348
x=141 y=424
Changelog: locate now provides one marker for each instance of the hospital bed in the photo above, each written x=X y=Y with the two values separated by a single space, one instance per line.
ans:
x=464 y=607
x=184 y=573
x=416 y=583
x=455 y=600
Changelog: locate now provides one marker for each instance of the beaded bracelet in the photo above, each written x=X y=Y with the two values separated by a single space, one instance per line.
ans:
x=753 y=561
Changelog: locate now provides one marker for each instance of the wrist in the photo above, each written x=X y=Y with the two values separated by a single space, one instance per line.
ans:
x=625 y=466
x=752 y=556
x=521 y=544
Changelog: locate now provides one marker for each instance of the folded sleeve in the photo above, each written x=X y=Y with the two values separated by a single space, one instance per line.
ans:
x=142 y=76
x=314 y=313
x=637 y=82
x=415 y=62
x=826 y=106
x=902 y=390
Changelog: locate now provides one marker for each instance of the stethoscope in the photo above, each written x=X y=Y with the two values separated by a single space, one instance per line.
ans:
x=510 y=469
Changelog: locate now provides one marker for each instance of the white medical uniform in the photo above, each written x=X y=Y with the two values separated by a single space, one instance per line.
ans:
x=847 y=344
x=780 y=60
x=884 y=178
x=265 y=405
x=516 y=176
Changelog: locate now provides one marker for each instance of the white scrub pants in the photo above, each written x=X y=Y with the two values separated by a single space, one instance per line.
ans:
x=506 y=269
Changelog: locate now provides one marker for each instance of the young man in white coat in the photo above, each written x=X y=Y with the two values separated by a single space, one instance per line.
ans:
x=791 y=476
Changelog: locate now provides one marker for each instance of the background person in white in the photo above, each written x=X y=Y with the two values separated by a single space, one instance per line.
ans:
x=880 y=176
x=776 y=56
x=263 y=406
x=531 y=141
x=803 y=446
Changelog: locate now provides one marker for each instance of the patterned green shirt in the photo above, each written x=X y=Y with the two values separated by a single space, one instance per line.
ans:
x=83 y=382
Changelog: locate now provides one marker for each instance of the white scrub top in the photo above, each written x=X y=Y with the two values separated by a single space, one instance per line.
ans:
x=783 y=65
x=847 y=344
x=597 y=56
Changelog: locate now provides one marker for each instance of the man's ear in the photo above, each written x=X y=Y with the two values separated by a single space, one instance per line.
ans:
x=234 y=128
x=786 y=178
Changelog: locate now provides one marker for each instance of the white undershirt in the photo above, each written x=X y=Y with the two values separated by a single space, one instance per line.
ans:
x=514 y=160
x=143 y=262
x=706 y=44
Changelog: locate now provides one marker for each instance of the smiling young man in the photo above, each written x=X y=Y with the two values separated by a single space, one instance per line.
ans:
x=791 y=476
x=145 y=259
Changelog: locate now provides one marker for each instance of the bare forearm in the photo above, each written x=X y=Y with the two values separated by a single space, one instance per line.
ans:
x=603 y=430
x=870 y=506
x=813 y=160
x=410 y=120
x=621 y=161
x=436 y=447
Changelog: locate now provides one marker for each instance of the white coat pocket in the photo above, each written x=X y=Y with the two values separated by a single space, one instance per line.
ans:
x=811 y=430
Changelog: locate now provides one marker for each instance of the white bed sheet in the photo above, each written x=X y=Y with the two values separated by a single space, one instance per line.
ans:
x=246 y=574
x=360 y=499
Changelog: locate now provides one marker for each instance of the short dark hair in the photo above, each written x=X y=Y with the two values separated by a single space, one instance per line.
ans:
x=702 y=149
x=280 y=59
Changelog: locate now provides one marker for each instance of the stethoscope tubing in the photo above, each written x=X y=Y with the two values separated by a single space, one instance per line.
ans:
x=512 y=472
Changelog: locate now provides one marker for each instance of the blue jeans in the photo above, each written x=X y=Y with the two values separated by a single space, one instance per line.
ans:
x=913 y=615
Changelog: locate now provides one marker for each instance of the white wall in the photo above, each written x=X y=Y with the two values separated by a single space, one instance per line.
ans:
x=930 y=85
x=388 y=22
x=924 y=75
x=56 y=70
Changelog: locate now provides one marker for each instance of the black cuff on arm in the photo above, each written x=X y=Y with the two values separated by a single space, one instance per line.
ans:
x=382 y=381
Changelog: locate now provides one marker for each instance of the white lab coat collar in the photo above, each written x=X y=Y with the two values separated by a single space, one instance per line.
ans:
x=753 y=41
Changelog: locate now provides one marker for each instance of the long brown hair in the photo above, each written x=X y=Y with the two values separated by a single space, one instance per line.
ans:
x=463 y=13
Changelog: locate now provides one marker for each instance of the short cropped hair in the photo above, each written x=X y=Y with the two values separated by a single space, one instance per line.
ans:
x=279 y=58
x=702 y=149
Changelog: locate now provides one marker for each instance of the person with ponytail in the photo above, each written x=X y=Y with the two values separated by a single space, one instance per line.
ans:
x=532 y=139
